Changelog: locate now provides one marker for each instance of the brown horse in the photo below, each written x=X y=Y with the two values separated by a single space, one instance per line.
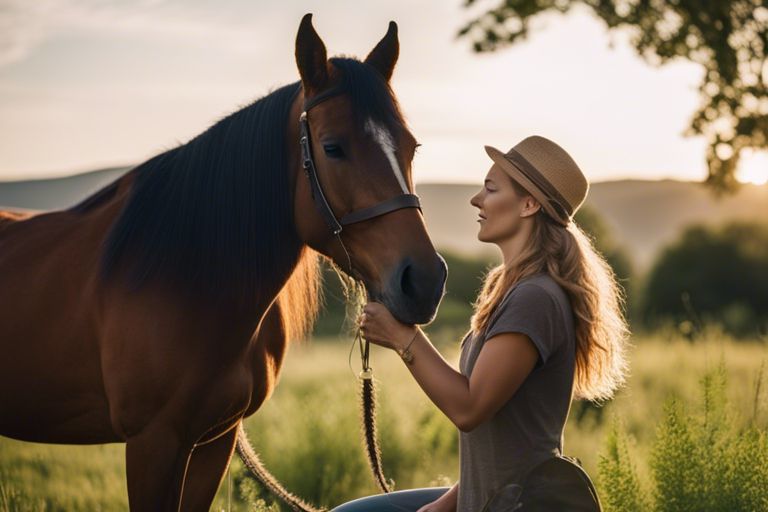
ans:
x=157 y=312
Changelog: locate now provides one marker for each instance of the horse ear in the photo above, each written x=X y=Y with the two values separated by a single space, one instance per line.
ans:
x=384 y=56
x=311 y=57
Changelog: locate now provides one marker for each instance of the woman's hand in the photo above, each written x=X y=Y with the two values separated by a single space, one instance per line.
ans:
x=380 y=327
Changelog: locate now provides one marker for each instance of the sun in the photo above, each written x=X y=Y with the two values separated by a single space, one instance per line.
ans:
x=753 y=167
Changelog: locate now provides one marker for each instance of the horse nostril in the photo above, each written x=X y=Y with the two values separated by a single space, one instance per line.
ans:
x=406 y=282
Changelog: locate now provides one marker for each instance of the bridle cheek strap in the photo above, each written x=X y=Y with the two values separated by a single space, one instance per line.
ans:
x=395 y=203
x=311 y=172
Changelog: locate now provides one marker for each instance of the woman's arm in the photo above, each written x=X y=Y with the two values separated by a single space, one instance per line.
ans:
x=503 y=364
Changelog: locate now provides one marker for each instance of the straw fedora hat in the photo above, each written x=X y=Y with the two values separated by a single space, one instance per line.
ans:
x=548 y=173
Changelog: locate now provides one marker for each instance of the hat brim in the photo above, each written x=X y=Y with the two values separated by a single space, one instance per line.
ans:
x=516 y=174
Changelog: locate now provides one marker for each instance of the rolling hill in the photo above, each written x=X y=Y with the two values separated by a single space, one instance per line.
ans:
x=643 y=215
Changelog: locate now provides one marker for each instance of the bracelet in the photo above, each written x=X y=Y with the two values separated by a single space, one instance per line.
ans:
x=406 y=354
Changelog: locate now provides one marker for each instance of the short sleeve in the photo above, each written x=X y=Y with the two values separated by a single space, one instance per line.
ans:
x=533 y=311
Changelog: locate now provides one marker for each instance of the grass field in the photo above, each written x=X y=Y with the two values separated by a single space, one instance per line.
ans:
x=309 y=435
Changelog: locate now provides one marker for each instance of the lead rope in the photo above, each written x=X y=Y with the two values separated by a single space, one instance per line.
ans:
x=368 y=399
x=252 y=461
x=368 y=406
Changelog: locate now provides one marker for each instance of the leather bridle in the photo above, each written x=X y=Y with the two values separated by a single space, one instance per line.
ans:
x=367 y=394
x=336 y=225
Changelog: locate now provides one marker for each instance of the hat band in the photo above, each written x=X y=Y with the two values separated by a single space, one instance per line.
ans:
x=538 y=179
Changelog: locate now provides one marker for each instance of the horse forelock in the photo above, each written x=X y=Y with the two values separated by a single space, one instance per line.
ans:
x=370 y=95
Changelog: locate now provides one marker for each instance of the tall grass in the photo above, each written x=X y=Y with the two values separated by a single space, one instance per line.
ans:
x=309 y=434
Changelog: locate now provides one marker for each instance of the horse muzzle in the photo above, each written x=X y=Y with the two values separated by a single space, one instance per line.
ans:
x=414 y=290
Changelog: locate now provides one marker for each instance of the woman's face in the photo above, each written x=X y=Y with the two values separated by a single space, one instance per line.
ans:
x=501 y=207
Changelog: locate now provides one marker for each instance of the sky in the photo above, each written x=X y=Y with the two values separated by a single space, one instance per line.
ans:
x=86 y=84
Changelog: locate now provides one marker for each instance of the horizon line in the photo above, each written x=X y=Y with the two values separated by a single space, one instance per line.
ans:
x=55 y=176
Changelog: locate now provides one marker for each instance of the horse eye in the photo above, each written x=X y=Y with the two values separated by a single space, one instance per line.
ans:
x=333 y=150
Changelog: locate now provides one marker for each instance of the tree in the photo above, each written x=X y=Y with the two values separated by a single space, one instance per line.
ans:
x=713 y=275
x=728 y=38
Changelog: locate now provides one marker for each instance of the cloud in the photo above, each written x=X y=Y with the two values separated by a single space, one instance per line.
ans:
x=25 y=24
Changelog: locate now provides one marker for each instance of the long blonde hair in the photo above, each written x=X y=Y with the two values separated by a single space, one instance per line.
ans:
x=567 y=255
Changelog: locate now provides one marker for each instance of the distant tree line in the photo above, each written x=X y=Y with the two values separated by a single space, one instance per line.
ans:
x=710 y=275
x=465 y=276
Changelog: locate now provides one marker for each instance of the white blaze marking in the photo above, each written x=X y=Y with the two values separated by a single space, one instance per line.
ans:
x=384 y=138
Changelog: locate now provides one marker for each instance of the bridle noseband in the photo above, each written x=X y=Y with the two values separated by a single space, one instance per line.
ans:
x=336 y=225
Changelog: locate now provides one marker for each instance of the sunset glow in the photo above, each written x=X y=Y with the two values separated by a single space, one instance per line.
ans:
x=753 y=167
x=94 y=84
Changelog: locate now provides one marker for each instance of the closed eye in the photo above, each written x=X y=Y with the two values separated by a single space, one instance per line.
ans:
x=333 y=151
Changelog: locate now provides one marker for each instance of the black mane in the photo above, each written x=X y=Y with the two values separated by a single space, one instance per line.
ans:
x=215 y=215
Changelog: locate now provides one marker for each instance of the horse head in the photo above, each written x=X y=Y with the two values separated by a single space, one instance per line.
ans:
x=358 y=151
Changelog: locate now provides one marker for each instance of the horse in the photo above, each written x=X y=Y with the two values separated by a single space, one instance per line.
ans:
x=157 y=312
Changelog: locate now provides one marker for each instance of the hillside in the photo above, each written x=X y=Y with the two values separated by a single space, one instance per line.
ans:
x=55 y=193
x=643 y=215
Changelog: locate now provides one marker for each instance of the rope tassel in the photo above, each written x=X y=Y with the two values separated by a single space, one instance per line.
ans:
x=368 y=403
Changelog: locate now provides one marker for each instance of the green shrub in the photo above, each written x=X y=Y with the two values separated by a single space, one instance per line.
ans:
x=712 y=275
x=713 y=461
x=619 y=476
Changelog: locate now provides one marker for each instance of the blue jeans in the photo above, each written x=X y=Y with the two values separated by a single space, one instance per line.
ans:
x=409 y=500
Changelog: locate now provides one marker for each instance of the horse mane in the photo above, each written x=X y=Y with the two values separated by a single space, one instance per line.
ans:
x=189 y=207
x=215 y=215
x=98 y=198
x=301 y=296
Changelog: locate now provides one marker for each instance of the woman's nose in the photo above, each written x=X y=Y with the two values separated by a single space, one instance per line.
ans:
x=475 y=200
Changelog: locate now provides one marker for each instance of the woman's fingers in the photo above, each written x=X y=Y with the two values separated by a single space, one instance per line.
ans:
x=372 y=308
x=379 y=326
x=371 y=323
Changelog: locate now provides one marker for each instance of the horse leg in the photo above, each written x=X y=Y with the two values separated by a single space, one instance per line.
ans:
x=156 y=463
x=206 y=468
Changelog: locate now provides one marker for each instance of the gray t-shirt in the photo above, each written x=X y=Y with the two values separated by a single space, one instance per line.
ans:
x=529 y=427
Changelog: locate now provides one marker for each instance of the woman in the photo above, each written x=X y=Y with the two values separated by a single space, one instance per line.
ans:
x=547 y=326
